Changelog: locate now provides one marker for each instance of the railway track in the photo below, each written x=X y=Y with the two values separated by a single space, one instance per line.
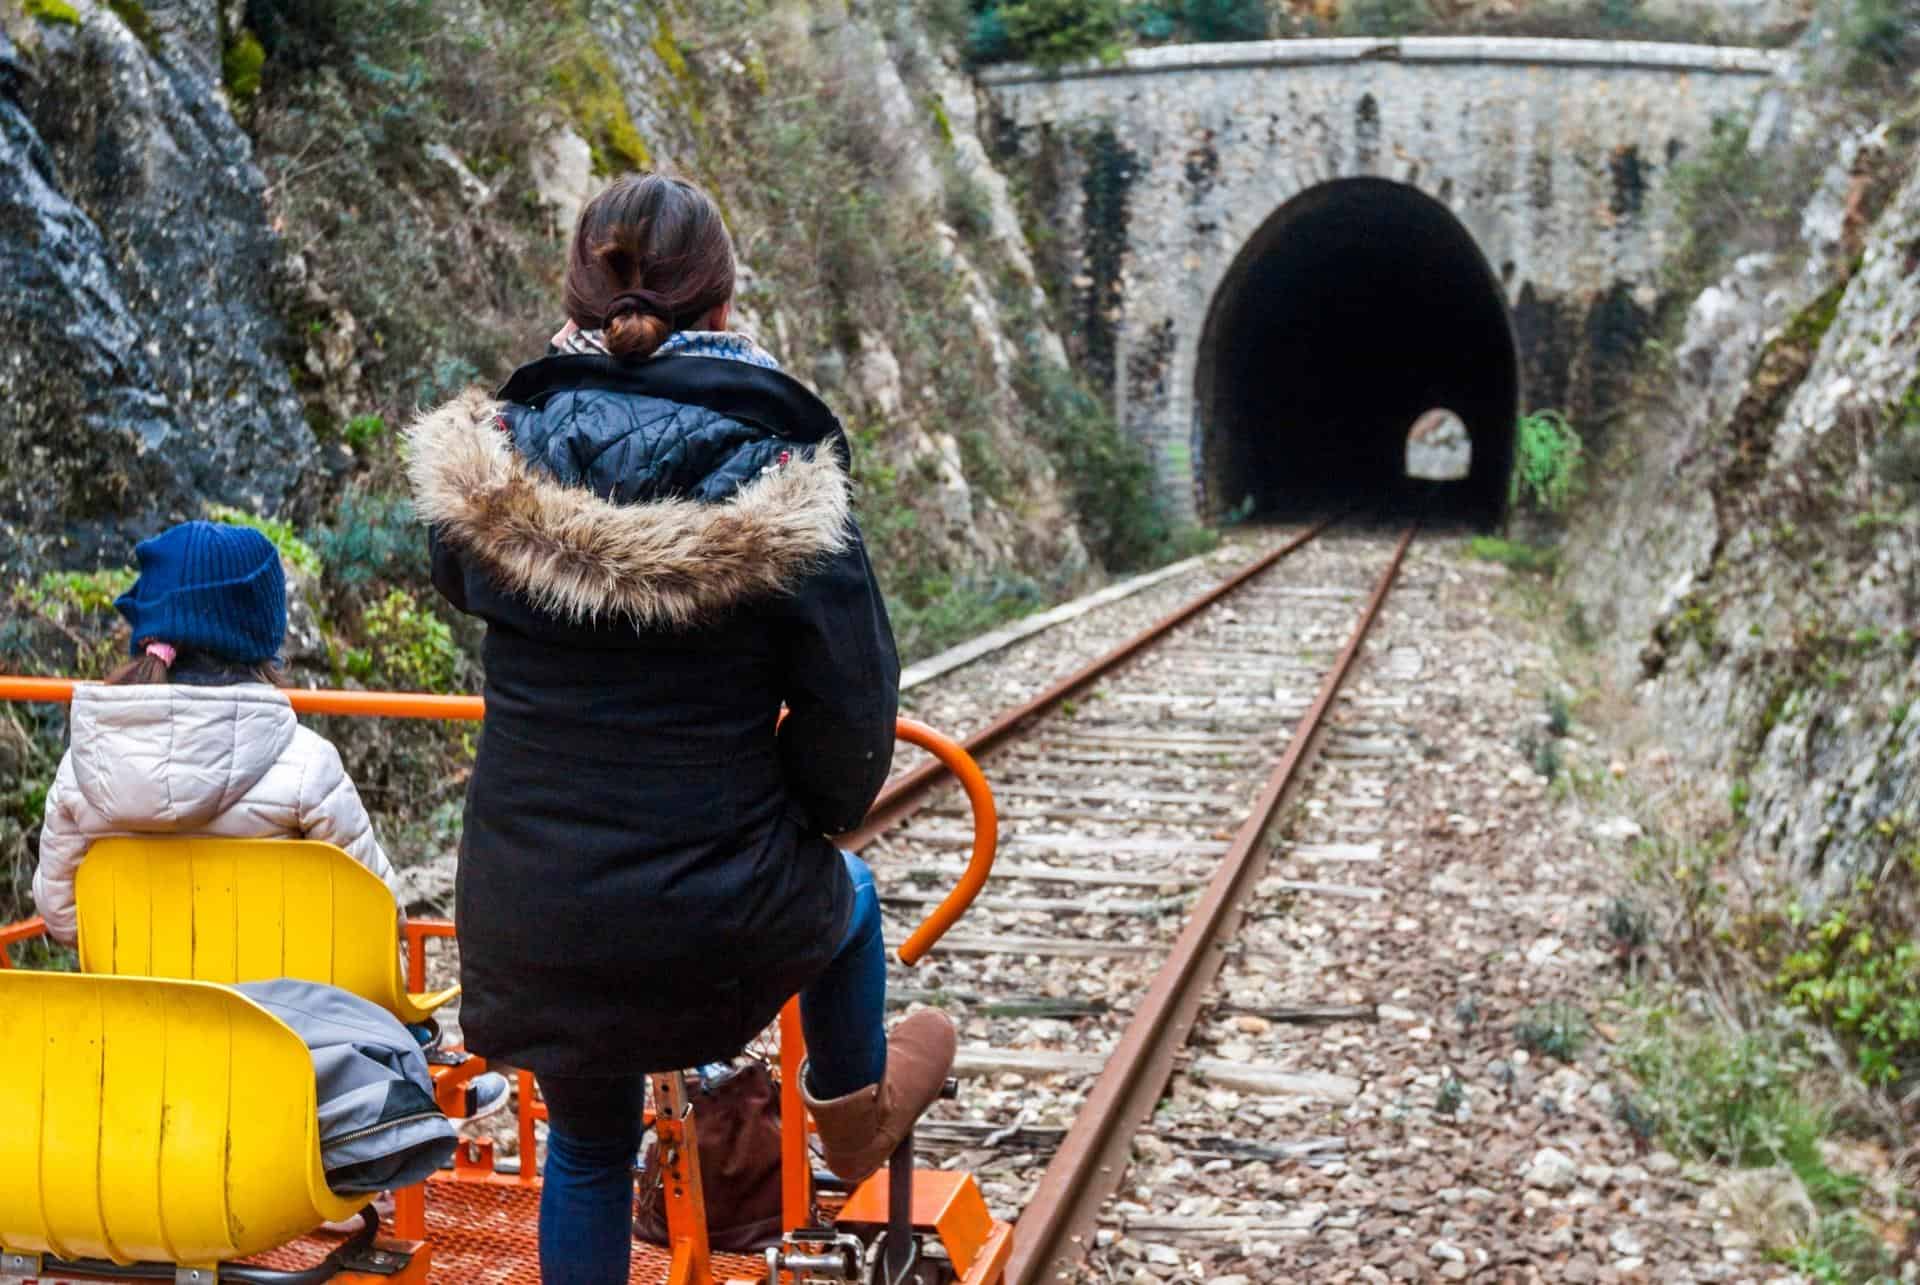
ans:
x=1135 y=796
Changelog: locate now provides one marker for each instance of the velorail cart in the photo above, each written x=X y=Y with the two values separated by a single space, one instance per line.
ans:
x=155 y=1124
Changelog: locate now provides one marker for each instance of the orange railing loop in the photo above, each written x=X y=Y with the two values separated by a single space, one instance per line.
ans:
x=986 y=837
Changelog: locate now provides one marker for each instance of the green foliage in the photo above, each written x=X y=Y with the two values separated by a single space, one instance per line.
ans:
x=1737 y=797
x=88 y=593
x=968 y=207
x=988 y=40
x=305 y=34
x=1110 y=478
x=370 y=537
x=364 y=431
x=53 y=11
x=1225 y=19
x=134 y=15
x=1559 y=713
x=1553 y=1029
x=352 y=93
x=1514 y=555
x=1546 y=462
x=1842 y=1250
x=939 y=611
x=1729 y=201
x=242 y=66
x=45 y=955
x=1151 y=22
x=297 y=553
x=1880 y=41
x=1383 y=17
x=1051 y=33
x=1733 y=1099
x=1451 y=1097
x=1862 y=979
x=408 y=647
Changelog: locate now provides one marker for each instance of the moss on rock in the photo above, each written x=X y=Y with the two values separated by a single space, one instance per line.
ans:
x=52 y=12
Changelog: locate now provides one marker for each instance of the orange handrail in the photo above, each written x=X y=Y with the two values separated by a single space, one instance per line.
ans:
x=986 y=837
x=309 y=700
x=12 y=935
x=305 y=700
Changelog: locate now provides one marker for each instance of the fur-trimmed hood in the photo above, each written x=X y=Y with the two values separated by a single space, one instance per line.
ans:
x=655 y=561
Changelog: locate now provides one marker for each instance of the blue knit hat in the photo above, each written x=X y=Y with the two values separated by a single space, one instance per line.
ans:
x=209 y=587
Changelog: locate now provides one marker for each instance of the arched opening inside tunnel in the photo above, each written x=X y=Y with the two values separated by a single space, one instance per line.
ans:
x=1360 y=310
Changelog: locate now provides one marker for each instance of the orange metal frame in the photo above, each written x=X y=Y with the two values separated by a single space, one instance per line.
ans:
x=987 y=1250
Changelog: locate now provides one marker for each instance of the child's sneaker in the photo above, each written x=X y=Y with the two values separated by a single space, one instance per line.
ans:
x=426 y=1034
x=382 y=1208
x=486 y=1095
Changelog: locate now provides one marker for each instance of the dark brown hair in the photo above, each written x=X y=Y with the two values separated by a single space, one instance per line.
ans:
x=650 y=256
x=195 y=668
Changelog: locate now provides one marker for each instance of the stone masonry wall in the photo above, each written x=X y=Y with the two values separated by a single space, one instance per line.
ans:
x=1552 y=153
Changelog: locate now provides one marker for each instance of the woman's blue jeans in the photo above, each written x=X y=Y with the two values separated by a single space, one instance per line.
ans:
x=593 y=1122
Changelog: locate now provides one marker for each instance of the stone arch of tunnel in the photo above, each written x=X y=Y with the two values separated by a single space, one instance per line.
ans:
x=1356 y=308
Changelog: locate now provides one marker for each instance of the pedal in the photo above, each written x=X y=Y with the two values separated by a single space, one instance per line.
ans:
x=813 y=1256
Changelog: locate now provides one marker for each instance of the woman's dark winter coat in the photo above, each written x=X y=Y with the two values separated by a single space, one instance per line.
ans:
x=663 y=555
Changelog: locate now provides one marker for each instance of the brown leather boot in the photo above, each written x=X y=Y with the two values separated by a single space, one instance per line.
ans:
x=859 y=1131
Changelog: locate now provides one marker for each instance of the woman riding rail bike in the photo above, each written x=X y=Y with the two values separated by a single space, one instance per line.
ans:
x=653 y=522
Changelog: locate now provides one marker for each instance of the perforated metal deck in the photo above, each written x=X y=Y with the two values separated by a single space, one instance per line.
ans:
x=483 y=1234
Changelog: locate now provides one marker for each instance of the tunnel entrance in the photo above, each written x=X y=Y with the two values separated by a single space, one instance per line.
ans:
x=1359 y=309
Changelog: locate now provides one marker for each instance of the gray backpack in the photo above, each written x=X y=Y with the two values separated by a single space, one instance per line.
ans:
x=379 y=1126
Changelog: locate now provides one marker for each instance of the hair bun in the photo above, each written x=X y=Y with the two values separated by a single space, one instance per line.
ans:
x=636 y=334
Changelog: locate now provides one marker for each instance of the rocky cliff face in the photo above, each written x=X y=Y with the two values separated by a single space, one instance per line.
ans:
x=921 y=347
x=1752 y=562
x=143 y=375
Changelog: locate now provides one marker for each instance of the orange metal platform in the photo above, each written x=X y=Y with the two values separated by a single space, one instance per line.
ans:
x=488 y=1234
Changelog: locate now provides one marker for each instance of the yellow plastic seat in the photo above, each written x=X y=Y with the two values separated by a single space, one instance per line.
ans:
x=154 y=1121
x=243 y=910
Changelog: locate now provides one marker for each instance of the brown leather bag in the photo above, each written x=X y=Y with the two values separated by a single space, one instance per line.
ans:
x=737 y=1122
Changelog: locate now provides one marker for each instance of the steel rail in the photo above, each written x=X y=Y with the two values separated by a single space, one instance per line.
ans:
x=1052 y=1230
x=902 y=797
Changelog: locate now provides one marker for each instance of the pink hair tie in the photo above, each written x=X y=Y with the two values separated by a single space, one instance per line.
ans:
x=164 y=651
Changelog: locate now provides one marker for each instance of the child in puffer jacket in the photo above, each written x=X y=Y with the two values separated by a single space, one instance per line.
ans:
x=193 y=736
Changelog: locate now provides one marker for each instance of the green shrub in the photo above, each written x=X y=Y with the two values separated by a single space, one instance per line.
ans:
x=1110 y=479
x=1546 y=462
x=1151 y=22
x=1729 y=200
x=313 y=33
x=941 y=611
x=1880 y=40
x=297 y=553
x=370 y=537
x=1383 y=17
x=407 y=647
x=1225 y=19
x=241 y=67
x=53 y=11
x=1862 y=980
x=1554 y=1029
x=1732 y=1099
x=88 y=593
x=987 y=39
x=364 y=431
x=1051 y=33
x=1513 y=555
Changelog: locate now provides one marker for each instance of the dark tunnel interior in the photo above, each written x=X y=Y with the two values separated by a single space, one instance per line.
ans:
x=1357 y=307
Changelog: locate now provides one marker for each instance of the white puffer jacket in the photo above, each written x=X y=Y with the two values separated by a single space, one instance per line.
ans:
x=228 y=762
